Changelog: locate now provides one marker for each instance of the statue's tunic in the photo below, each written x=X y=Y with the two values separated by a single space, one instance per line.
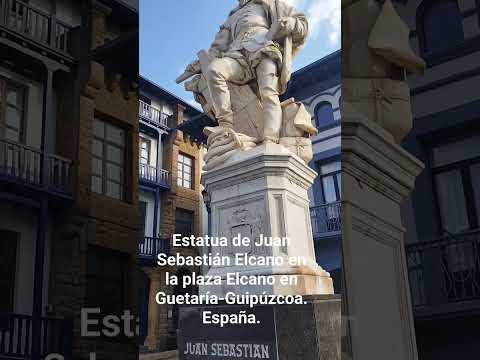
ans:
x=249 y=27
x=244 y=35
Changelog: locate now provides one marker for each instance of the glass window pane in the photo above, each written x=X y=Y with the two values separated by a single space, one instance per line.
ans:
x=180 y=158
x=13 y=117
x=187 y=184
x=187 y=177
x=12 y=135
x=97 y=167
x=187 y=160
x=329 y=189
x=97 y=148
x=113 y=190
x=15 y=97
x=115 y=134
x=114 y=172
x=442 y=26
x=451 y=201
x=97 y=184
x=98 y=128
x=187 y=169
x=324 y=114
x=179 y=181
x=114 y=154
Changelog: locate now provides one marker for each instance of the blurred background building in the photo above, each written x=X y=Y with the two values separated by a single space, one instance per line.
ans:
x=318 y=87
x=443 y=216
x=69 y=218
x=170 y=203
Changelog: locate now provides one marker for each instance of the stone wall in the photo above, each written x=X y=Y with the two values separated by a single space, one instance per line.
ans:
x=95 y=219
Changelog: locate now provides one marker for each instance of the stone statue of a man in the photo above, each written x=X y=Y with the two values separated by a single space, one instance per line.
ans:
x=249 y=46
x=239 y=80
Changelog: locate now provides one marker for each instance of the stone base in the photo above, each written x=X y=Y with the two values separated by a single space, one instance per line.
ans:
x=305 y=284
x=258 y=193
x=286 y=332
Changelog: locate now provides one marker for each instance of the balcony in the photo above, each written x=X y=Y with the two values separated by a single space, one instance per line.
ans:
x=151 y=175
x=152 y=115
x=16 y=337
x=34 y=25
x=444 y=274
x=150 y=247
x=326 y=219
x=23 y=164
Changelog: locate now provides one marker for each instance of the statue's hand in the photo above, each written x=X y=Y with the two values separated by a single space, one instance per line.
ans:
x=286 y=26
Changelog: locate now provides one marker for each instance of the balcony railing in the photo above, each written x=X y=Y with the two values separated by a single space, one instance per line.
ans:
x=150 y=247
x=23 y=163
x=16 y=337
x=445 y=271
x=34 y=24
x=326 y=219
x=152 y=114
x=152 y=174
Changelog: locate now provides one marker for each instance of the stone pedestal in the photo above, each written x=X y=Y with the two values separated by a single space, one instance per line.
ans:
x=377 y=176
x=289 y=332
x=264 y=191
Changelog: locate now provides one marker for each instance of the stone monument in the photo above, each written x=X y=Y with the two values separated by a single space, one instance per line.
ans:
x=257 y=180
x=377 y=175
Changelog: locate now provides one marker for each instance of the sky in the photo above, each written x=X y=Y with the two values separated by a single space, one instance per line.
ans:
x=173 y=31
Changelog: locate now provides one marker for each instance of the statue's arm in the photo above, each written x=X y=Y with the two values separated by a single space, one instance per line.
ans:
x=221 y=42
x=289 y=22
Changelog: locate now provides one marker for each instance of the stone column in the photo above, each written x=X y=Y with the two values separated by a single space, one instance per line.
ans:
x=153 y=311
x=377 y=176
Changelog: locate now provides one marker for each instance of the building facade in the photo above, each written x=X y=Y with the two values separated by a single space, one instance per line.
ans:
x=443 y=215
x=318 y=87
x=69 y=215
x=170 y=203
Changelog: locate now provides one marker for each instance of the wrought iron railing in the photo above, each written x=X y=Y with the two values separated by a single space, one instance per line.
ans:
x=16 y=332
x=150 y=247
x=152 y=114
x=23 y=163
x=151 y=173
x=326 y=219
x=446 y=270
x=34 y=24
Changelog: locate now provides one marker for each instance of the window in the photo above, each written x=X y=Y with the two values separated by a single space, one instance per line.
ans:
x=12 y=108
x=145 y=145
x=8 y=260
x=456 y=174
x=184 y=222
x=108 y=160
x=330 y=175
x=107 y=272
x=441 y=25
x=324 y=115
x=185 y=173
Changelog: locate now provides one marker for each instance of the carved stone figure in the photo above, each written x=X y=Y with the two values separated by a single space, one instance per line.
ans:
x=239 y=80
x=376 y=55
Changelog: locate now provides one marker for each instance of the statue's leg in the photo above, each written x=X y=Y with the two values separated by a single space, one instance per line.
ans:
x=220 y=71
x=268 y=85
